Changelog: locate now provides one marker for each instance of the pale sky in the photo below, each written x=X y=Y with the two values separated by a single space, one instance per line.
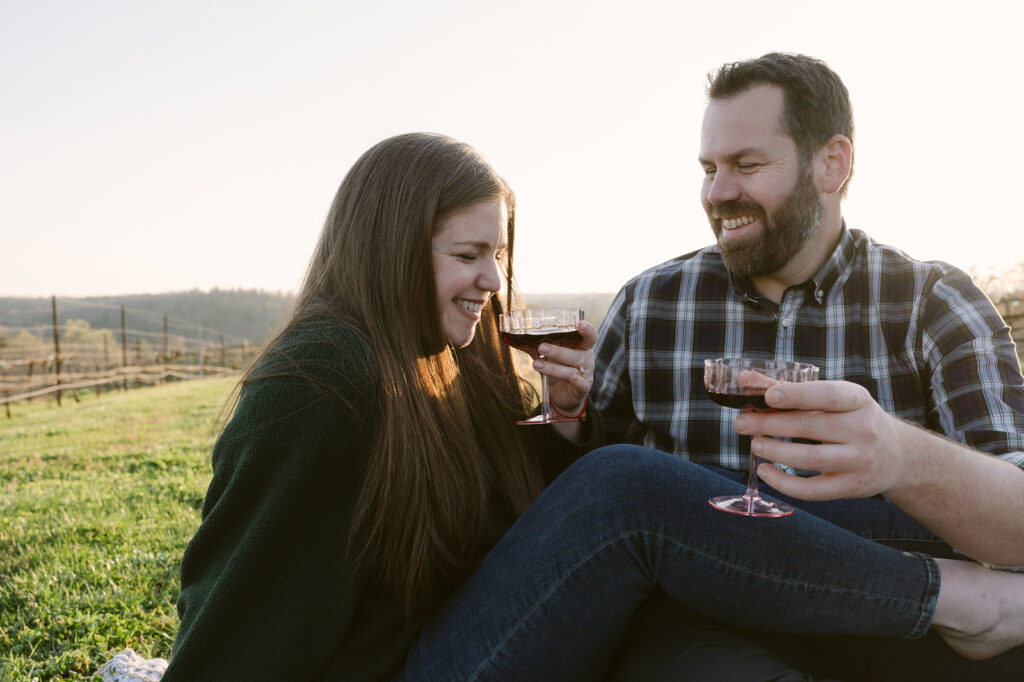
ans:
x=148 y=147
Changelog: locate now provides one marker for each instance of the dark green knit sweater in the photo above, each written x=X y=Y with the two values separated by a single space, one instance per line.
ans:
x=268 y=591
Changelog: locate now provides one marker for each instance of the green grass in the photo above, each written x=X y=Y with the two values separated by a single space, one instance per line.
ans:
x=97 y=502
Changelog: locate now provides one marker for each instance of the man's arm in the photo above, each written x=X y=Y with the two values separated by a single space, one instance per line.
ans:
x=972 y=500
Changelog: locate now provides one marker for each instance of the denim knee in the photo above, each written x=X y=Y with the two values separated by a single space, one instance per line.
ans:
x=633 y=476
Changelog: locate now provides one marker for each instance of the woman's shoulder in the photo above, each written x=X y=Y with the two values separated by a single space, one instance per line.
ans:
x=322 y=347
x=315 y=380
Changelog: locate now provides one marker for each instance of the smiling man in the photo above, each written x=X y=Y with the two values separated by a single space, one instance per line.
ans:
x=915 y=435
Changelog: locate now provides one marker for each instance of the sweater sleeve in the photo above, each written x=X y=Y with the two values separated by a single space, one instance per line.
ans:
x=268 y=587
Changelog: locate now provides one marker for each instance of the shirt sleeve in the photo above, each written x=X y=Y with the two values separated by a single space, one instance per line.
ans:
x=612 y=392
x=975 y=378
x=268 y=586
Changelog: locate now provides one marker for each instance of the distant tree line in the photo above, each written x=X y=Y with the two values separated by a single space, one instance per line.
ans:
x=238 y=314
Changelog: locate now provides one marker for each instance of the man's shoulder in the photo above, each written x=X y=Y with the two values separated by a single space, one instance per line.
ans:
x=891 y=259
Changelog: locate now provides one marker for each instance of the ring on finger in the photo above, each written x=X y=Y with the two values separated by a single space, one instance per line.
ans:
x=583 y=370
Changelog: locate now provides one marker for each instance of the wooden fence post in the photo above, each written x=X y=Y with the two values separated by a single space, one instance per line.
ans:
x=3 y=366
x=56 y=346
x=167 y=359
x=124 y=349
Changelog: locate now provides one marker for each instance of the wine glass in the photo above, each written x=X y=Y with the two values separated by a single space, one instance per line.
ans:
x=741 y=383
x=526 y=329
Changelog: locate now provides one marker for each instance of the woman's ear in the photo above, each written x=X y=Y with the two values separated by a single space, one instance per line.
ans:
x=837 y=158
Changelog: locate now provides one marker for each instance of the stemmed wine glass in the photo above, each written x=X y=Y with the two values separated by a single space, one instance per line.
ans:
x=741 y=383
x=528 y=328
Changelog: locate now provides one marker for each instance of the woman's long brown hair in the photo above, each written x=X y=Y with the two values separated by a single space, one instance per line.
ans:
x=423 y=508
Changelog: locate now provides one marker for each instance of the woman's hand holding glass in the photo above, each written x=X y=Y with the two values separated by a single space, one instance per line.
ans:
x=559 y=341
x=570 y=371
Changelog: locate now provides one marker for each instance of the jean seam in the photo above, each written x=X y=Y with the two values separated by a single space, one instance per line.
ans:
x=931 y=596
x=919 y=628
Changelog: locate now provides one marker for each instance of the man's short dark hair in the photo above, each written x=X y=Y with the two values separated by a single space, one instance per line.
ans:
x=817 y=104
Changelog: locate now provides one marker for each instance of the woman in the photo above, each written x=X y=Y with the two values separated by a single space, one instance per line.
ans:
x=375 y=513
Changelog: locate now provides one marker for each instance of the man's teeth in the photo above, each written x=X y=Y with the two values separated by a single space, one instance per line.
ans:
x=469 y=305
x=733 y=223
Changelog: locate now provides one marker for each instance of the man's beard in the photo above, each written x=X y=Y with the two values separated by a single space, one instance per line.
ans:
x=783 y=233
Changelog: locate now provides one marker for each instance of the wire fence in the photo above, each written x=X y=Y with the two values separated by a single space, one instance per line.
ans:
x=68 y=357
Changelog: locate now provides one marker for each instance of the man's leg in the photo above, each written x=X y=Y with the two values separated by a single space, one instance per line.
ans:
x=665 y=641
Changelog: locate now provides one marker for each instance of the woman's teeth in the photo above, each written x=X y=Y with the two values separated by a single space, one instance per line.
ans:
x=468 y=305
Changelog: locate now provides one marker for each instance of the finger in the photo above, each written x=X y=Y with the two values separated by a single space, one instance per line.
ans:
x=828 y=396
x=569 y=357
x=811 y=488
x=827 y=427
x=589 y=333
x=826 y=458
x=579 y=376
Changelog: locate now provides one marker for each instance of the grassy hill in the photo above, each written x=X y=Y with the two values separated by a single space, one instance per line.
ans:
x=97 y=502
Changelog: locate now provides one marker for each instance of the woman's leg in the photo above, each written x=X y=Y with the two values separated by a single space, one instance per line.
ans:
x=552 y=598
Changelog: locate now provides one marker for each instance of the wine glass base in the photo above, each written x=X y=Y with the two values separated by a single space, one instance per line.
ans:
x=750 y=506
x=548 y=419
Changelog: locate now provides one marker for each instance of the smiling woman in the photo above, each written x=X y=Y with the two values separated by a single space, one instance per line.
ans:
x=469 y=249
x=352 y=473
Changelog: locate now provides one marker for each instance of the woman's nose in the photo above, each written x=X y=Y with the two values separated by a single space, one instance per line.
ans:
x=491 y=277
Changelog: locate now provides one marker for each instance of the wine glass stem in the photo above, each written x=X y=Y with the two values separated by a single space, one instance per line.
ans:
x=545 y=403
x=752 y=478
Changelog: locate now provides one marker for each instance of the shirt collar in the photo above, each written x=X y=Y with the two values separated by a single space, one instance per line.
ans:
x=818 y=286
x=835 y=267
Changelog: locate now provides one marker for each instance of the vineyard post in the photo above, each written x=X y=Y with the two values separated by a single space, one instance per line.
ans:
x=56 y=346
x=7 y=405
x=167 y=359
x=124 y=349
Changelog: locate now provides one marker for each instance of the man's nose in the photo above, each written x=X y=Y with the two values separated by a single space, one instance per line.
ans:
x=722 y=188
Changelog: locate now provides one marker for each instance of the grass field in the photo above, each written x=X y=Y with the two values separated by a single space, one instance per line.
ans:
x=97 y=502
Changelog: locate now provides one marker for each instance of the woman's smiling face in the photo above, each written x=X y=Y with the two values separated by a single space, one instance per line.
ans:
x=469 y=253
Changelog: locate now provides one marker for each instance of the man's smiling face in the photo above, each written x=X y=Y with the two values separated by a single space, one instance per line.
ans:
x=762 y=202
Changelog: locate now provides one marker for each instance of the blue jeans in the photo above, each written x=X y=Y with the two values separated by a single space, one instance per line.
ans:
x=665 y=641
x=552 y=598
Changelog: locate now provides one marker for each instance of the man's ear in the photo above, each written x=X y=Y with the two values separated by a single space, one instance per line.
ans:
x=836 y=157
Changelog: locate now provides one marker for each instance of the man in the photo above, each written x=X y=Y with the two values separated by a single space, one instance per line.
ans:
x=922 y=401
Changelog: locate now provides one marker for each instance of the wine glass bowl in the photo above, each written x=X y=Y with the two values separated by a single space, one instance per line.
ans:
x=527 y=328
x=741 y=383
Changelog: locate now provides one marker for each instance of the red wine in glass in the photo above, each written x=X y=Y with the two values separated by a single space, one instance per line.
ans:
x=528 y=328
x=741 y=383
x=529 y=340
x=741 y=401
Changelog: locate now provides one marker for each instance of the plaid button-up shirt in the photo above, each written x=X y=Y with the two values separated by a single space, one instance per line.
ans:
x=921 y=337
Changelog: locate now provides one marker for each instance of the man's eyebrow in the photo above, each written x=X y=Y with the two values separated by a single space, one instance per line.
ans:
x=735 y=156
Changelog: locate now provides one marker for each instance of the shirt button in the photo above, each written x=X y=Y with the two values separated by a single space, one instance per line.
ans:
x=785 y=322
x=819 y=293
